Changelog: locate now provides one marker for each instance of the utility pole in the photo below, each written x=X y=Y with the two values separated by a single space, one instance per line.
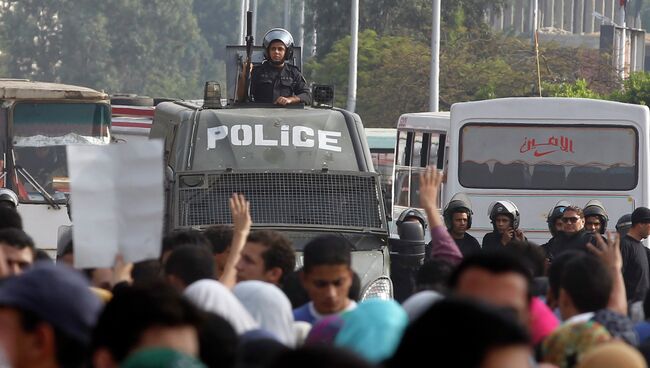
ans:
x=287 y=14
x=242 y=21
x=535 y=21
x=621 y=46
x=352 y=82
x=301 y=28
x=434 y=79
x=254 y=8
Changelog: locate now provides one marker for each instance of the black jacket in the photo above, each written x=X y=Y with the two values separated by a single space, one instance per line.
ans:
x=635 y=268
x=268 y=83
x=468 y=245
x=492 y=241
x=563 y=242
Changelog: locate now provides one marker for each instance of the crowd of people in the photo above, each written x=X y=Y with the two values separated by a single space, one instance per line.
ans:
x=231 y=297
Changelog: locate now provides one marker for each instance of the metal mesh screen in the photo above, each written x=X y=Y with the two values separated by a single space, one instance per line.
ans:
x=327 y=199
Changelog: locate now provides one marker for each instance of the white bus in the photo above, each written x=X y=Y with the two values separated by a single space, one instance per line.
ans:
x=538 y=151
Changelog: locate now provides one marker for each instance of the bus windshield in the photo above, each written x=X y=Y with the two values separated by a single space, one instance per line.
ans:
x=548 y=157
x=40 y=133
x=47 y=124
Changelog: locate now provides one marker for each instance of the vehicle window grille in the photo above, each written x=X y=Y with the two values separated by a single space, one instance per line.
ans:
x=304 y=199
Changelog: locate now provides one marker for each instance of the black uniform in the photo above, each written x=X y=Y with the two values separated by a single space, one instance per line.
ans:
x=269 y=82
x=563 y=242
x=468 y=245
x=492 y=241
x=635 y=268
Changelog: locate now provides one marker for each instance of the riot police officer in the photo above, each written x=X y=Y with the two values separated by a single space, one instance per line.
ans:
x=458 y=219
x=276 y=81
x=505 y=217
x=595 y=217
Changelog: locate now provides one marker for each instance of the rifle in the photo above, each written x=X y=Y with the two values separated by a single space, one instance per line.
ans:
x=249 y=51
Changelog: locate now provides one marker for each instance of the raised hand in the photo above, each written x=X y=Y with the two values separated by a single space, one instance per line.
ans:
x=240 y=211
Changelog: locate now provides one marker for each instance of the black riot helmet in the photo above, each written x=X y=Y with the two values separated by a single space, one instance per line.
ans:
x=624 y=224
x=504 y=208
x=596 y=208
x=412 y=213
x=278 y=34
x=458 y=203
x=556 y=213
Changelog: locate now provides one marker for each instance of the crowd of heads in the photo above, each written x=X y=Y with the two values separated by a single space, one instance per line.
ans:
x=296 y=303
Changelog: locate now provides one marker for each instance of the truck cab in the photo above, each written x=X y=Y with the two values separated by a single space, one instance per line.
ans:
x=307 y=171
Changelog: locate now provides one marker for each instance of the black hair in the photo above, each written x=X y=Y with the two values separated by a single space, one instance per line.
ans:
x=319 y=356
x=327 y=250
x=41 y=255
x=496 y=262
x=355 y=288
x=458 y=331
x=530 y=253
x=575 y=209
x=295 y=291
x=16 y=238
x=134 y=309
x=181 y=237
x=190 y=264
x=556 y=270
x=218 y=342
x=433 y=275
x=70 y=352
x=588 y=282
x=279 y=251
x=220 y=237
x=257 y=352
x=146 y=272
x=10 y=218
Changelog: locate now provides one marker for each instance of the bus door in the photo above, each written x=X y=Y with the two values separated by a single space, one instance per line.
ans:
x=414 y=152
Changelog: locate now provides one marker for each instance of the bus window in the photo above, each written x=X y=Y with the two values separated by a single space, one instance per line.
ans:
x=437 y=150
x=419 y=151
x=404 y=142
x=557 y=157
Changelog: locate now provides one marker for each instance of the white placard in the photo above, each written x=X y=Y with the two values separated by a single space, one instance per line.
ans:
x=117 y=202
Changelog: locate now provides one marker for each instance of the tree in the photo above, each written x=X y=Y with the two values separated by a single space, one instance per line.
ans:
x=157 y=48
x=31 y=38
x=636 y=89
x=577 y=89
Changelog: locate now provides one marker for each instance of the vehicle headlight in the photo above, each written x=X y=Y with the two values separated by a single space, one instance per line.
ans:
x=382 y=288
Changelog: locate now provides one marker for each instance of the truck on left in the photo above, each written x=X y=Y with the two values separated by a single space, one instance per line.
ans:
x=37 y=121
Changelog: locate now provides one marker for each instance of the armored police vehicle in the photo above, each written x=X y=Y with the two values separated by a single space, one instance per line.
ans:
x=306 y=170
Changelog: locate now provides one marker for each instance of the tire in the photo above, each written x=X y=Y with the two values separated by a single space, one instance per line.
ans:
x=131 y=100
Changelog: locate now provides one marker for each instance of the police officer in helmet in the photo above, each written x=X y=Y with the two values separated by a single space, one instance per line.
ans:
x=276 y=81
x=458 y=219
x=595 y=217
x=505 y=218
x=555 y=226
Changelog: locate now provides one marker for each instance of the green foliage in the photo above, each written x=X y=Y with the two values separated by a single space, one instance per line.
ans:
x=149 y=47
x=389 y=70
x=579 y=88
x=636 y=89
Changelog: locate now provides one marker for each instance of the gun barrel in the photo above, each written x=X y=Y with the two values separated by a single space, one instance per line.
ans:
x=249 y=23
